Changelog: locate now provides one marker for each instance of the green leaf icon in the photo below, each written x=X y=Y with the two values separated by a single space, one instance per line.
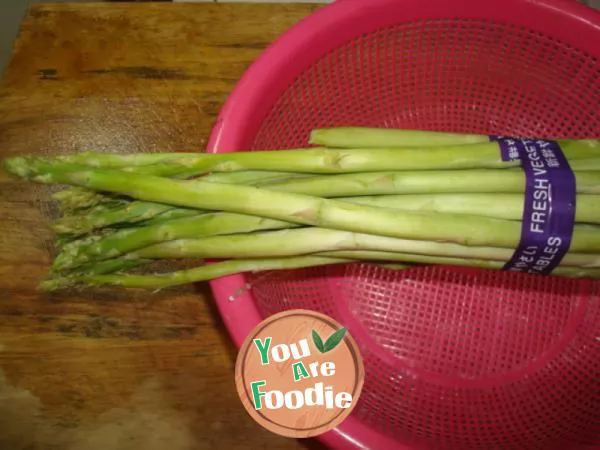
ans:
x=318 y=341
x=331 y=343
x=334 y=340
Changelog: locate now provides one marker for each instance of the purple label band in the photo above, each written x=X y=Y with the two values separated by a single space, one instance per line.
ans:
x=508 y=147
x=549 y=208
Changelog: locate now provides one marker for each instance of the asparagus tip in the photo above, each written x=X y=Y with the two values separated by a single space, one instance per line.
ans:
x=18 y=166
x=63 y=194
x=56 y=284
x=59 y=228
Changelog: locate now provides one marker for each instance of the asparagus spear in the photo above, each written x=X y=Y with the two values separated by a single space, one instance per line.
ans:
x=342 y=185
x=352 y=137
x=297 y=208
x=111 y=266
x=79 y=197
x=363 y=184
x=572 y=272
x=317 y=240
x=500 y=206
x=221 y=269
x=366 y=184
x=322 y=160
x=101 y=208
x=167 y=216
x=506 y=206
x=76 y=197
x=127 y=240
x=422 y=182
x=581 y=165
x=251 y=177
x=357 y=184
x=85 y=221
x=202 y=273
x=132 y=212
x=315 y=160
x=360 y=137
x=76 y=200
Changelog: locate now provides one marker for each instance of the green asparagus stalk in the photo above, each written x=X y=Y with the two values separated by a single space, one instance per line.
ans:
x=111 y=266
x=167 y=216
x=298 y=208
x=130 y=239
x=577 y=165
x=572 y=272
x=500 y=206
x=62 y=240
x=361 y=137
x=84 y=221
x=111 y=160
x=85 y=199
x=422 y=182
x=379 y=183
x=78 y=200
x=222 y=269
x=365 y=184
x=101 y=208
x=130 y=213
x=312 y=240
x=357 y=137
x=119 y=265
x=582 y=165
x=504 y=206
x=252 y=177
x=315 y=160
x=323 y=160
x=202 y=273
x=76 y=197
x=360 y=184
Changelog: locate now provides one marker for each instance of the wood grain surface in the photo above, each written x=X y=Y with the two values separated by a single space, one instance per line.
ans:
x=113 y=369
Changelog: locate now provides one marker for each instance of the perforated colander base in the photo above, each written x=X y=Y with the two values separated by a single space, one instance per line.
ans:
x=459 y=358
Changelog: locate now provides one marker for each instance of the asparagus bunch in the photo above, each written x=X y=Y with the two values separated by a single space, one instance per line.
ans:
x=407 y=196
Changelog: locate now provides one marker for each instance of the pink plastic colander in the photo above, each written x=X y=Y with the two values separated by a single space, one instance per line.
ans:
x=455 y=358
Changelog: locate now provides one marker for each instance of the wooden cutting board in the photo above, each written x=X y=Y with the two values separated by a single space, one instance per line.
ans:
x=113 y=369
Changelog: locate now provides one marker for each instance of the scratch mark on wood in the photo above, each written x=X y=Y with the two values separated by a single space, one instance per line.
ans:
x=145 y=72
x=47 y=74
